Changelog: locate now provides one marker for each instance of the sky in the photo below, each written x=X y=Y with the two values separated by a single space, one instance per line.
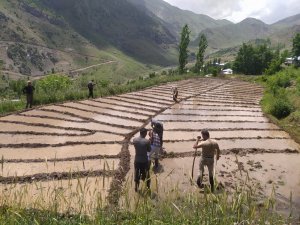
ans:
x=269 y=11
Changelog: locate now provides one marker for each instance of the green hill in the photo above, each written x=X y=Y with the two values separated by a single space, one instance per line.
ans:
x=235 y=34
x=227 y=38
x=42 y=36
x=176 y=18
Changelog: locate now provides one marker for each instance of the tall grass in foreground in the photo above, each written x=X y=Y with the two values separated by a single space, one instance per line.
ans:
x=238 y=207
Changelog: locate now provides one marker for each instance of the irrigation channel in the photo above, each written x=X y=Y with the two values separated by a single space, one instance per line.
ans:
x=78 y=155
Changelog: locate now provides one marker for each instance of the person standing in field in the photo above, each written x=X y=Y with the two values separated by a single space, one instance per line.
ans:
x=155 y=146
x=141 y=163
x=28 y=90
x=91 y=85
x=210 y=148
x=159 y=128
x=175 y=94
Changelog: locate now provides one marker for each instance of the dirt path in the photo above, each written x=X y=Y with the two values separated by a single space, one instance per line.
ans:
x=90 y=67
x=56 y=147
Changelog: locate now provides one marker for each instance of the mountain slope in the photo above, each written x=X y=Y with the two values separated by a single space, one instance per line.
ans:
x=235 y=34
x=40 y=36
x=176 y=18
x=288 y=22
x=118 y=23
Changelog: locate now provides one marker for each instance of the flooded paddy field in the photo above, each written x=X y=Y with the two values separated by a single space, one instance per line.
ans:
x=54 y=150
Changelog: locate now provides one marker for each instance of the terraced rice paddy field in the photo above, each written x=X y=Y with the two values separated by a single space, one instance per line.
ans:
x=78 y=155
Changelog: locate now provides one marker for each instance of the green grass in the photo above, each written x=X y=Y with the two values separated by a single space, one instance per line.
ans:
x=282 y=91
x=58 y=89
x=238 y=207
x=283 y=87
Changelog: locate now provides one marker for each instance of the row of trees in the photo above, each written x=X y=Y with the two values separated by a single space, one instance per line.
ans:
x=262 y=59
x=250 y=59
x=184 y=52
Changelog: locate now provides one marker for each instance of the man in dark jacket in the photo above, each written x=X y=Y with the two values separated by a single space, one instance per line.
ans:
x=141 y=162
x=28 y=90
x=91 y=85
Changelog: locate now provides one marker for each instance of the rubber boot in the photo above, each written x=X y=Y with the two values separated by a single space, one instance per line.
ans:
x=156 y=163
x=211 y=181
x=136 y=186
x=199 y=182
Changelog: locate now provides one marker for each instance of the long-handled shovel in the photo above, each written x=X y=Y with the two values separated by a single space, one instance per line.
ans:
x=194 y=163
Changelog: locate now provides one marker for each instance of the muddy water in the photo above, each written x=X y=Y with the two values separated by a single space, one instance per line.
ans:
x=79 y=195
x=163 y=117
x=100 y=118
x=126 y=104
x=10 y=127
x=140 y=102
x=106 y=111
x=222 y=103
x=51 y=114
x=60 y=152
x=145 y=98
x=183 y=135
x=29 y=169
x=160 y=97
x=272 y=144
x=268 y=171
x=123 y=108
x=218 y=125
x=177 y=110
x=61 y=139
x=222 y=108
x=265 y=171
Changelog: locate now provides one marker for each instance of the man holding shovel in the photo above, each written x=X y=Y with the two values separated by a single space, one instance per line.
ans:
x=210 y=148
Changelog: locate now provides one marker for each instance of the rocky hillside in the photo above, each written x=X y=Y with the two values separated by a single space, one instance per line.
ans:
x=43 y=36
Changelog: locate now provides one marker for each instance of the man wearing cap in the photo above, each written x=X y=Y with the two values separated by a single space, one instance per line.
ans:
x=210 y=148
x=141 y=163
x=28 y=90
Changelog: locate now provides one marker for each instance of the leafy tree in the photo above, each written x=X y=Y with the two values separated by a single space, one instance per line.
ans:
x=200 y=54
x=183 y=51
x=243 y=62
x=296 y=45
x=253 y=60
x=296 y=48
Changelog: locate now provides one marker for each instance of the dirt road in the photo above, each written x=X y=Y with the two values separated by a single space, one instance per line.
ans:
x=82 y=149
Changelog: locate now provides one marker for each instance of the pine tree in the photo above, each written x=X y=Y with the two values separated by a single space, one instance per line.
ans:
x=200 y=54
x=183 y=51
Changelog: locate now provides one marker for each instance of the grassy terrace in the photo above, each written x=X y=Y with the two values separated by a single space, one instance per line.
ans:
x=57 y=89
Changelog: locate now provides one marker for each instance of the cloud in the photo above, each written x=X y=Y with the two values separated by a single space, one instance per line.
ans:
x=269 y=11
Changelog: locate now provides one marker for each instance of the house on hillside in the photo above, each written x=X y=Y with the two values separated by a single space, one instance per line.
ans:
x=289 y=61
x=292 y=60
x=227 y=71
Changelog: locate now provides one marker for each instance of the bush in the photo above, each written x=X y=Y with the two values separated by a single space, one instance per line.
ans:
x=54 y=83
x=280 y=108
x=298 y=85
x=152 y=75
x=280 y=80
x=215 y=72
